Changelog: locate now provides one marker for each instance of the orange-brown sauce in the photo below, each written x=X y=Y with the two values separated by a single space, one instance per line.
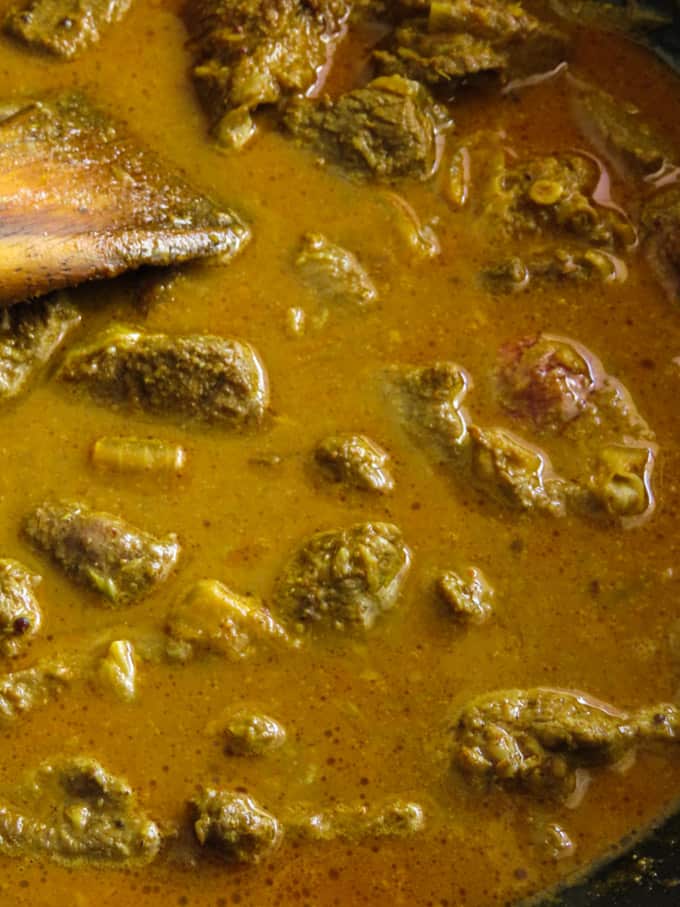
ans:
x=579 y=605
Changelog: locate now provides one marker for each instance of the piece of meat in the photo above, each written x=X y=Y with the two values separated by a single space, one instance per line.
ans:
x=356 y=461
x=547 y=379
x=517 y=473
x=428 y=401
x=73 y=811
x=575 y=264
x=80 y=199
x=468 y=596
x=63 y=27
x=254 y=52
x=213 y=618
x=335 y=274
x=246 y=732
x=497 y=20
x=389 y=129
x=235 y=826
x=463 y=38
x=344 y=579
x=619 y=132
x=558 y=386
x=34 y=687
x=437 y=58
x=552 y=197
x=196 y=377
x=30 y=334
x=537 y=739
x=102 y=551
x=20 y=612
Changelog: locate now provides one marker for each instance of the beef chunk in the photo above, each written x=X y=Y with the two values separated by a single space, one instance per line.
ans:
x=467 y=596
x=463 y=38
x=439 y=58
x=253 y=52
x=72 y=810
x=559 y=386
x=619 y=132
x=81 y=199
x=537 y=739
x=345 y=578
x=355 y=460
x=429 y=400
x=197 y=377
x=334 y=273
x=661 y=230
x=394 y=818
x=249 y=733
x=563 y=263
x=30 y=334
x=213 y=618
x=20 y=614
x=490 y=19
x=102 y=551
x=517 y=473
x=389 y=129
x=63 y=27
x=32 y=688
x=550 y=380
x=235 y=826
x=552 y=196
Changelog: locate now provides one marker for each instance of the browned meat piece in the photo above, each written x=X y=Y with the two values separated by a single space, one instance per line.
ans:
x=80 y=199
x=63 y=27
x=32 y=688
x=30 y=334
x=429 y=401
x=73 y=811
x=334 y=273
x=253 y=52
x=491 y=19
x=562 y=263
x=552 y=196
x=203 y=378
x=462 y=38
x=235 y=826
x=345 y=578
x=517 y=473
x=552 y=382
x=389 y=129
x=537 y=739
x=249 y=733
x=439 y=58
x=355 y=460
x=618 y=131
x=547 y=379
x=468 y=595
x=102 y=551
x=20 y=614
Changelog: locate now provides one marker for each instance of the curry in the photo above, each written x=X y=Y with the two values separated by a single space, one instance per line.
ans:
x=339 y=375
